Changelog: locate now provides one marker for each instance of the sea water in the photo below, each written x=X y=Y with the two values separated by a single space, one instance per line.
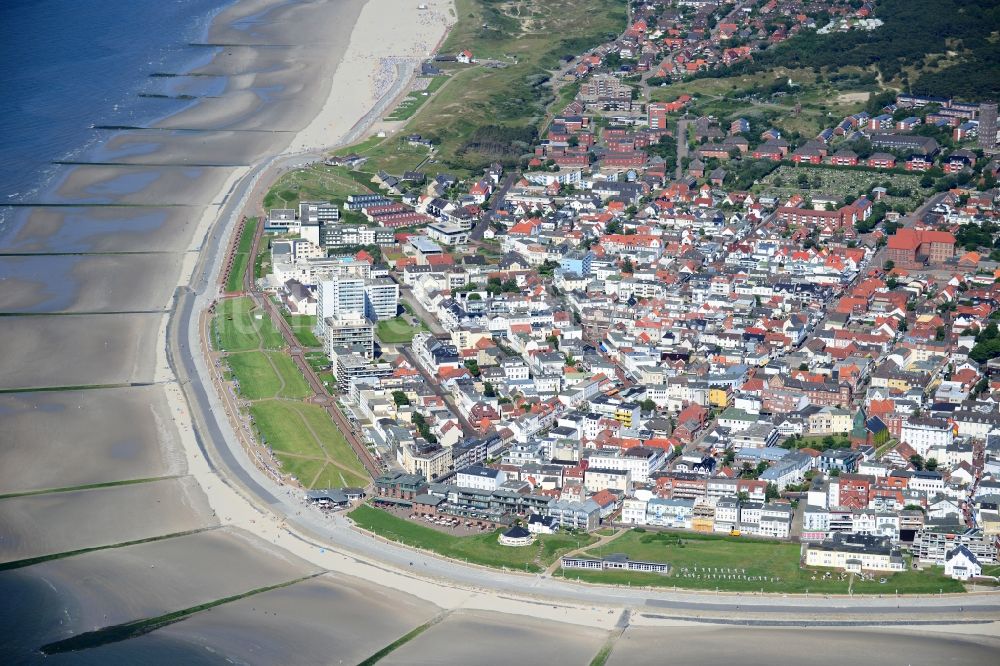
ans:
x=68 y=65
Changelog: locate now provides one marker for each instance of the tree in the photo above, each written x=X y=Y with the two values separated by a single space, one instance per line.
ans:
x=678 y=450
x=400 y=398
x=771 y=492
x=917 y=461
x=743 y=496
x=472 y=365
x=627 y=266
x=648 y=405
x=889 y=265
x=931 y=464
x=489 y=391
x=804 y=367
x=834 y=472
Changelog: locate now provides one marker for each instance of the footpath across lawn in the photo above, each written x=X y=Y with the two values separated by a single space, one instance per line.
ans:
x=257 y=378
x=480 y=549
x=308 y=444
x=739 y=564
x=237 y=326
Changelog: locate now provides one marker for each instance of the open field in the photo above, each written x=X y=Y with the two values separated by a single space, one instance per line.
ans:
x=478 y=549
x=241 y=259
x=413 y=101
x=267 y=375
x=302 y=327
x=396 y=331
x=822 y=101
x=842 y=182
x=308 y=444
x=512 y=91
x=317 y=182
x=237 y=327
x=759 y=559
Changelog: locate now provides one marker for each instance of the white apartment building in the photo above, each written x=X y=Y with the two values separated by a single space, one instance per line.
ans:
x=641 y=461
x=923 y=434
x=480 y=478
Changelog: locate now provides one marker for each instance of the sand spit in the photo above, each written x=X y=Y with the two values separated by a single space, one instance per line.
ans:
x=765 y=646
x=116 y=435
x=96 y=283
x=115 y=586
x=59 y=522
x=77 y=350
x=99 y=229
x=328 y=620
x=477 y=637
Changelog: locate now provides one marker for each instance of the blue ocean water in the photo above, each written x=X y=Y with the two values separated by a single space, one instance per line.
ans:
x=66 y=65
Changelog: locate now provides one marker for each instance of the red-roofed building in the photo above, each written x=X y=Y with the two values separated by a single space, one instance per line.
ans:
x=909 y=246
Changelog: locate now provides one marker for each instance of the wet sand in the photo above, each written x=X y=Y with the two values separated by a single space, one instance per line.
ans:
x=117 y=434
x=94 y=283
x=478 y=637
x=77 y=350
x=52 y=523
x=121 y=585
x=766 y=646
x=329 y=620
x=101 y=229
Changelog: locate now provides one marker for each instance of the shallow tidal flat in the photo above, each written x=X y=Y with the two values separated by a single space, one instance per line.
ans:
x=480 y=637
x=767 y=646
x=67 y=439
x=78 y=350
x=43 y=229
x=116 y=586
x=37 y=525
x=88 y=283
x=138 y=185
x=331 y=619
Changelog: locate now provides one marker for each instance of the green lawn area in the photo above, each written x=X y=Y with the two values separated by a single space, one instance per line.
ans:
x=478 y=549
x=317 y=182
x=302 y=327
x=236 y=328
x=769 y=559
x=307 y=442
x=396 y=330
x=242 y=257
x=257 y=377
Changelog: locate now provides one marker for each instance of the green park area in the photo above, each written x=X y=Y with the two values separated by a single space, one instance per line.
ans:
x=397 y=330
x=482 y=549
x=308 y=445
x=267 y=375
x=317 y=182
x=241 y=259
x=302 y=326
x=239 y=326
x=739 y=564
